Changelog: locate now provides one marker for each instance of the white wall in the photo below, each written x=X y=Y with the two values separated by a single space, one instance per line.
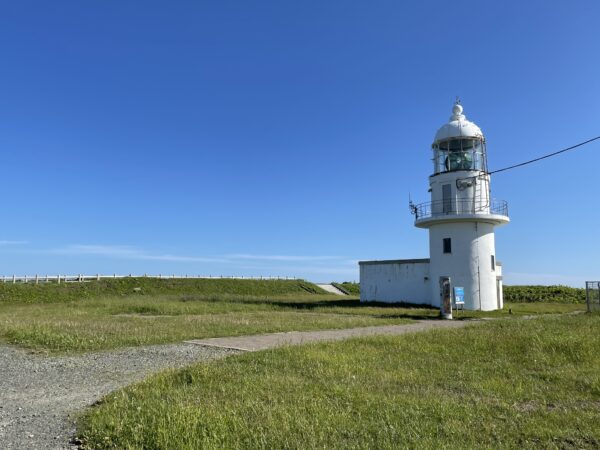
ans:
x=469 y=265
x=473 y=198
x=395 y=281
x=500 y=285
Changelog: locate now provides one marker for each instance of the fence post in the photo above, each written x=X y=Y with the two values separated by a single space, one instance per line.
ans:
x=14 y=279
x=97 y=277
x=36 y=279
x=57 y=279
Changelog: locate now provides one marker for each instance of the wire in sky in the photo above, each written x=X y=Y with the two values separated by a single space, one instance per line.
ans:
x=545 y=156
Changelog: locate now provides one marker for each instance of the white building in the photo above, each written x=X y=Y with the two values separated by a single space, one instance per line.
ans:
x=460 y=217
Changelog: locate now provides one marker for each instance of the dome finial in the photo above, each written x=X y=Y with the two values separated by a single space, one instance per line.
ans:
x=457 y=110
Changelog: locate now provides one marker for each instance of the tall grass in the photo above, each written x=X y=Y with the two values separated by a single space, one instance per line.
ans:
x=106 y=323
x=505 y=384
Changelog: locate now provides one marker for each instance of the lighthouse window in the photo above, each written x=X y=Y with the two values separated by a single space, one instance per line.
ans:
x=447 y=245
x=459 y=154
x=493 y=262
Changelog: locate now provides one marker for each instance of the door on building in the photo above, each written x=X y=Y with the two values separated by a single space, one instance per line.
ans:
x=447 y=203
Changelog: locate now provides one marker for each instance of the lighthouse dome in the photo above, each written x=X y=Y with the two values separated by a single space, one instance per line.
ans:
x=458 y=127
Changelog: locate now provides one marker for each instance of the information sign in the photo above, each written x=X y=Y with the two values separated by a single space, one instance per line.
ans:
x=459 y=295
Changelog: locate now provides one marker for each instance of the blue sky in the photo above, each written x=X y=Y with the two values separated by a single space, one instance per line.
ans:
x=283 y=138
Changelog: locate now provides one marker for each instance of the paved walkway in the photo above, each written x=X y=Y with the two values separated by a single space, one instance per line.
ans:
x=264 y=341
x=331 y=289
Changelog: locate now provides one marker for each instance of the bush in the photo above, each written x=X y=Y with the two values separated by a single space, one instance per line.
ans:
x=554 y=294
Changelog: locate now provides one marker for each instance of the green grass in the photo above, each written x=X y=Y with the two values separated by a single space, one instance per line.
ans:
x=53 y=292
x=559 y=294
x=107 y=323
x=348 y=287
x=79 y=317
x=502 y=384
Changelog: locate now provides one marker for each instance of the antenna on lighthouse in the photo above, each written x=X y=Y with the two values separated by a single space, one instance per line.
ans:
x=413 y=208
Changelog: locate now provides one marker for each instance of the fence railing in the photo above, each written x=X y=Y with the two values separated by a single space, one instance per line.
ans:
x=83 y=278
x=592 y=295
x=455 y=207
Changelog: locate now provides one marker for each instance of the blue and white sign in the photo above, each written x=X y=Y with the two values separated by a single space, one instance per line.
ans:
x=459 y=295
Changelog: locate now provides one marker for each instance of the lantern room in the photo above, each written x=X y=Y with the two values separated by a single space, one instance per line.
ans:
x=459 y=145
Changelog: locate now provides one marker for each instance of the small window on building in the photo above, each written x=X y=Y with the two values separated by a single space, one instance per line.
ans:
x=447 y=245
x=493 y=262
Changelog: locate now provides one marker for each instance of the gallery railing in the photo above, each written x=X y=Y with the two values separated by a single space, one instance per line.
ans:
x=458 y=207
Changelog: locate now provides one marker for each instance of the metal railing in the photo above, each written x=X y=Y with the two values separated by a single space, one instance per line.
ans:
x=456 y=207
x=82 y=278
x=592 y=295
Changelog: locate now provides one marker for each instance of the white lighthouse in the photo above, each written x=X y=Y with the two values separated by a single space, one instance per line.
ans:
x=461 y=217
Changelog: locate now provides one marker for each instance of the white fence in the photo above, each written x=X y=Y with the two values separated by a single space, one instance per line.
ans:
x=82 y=278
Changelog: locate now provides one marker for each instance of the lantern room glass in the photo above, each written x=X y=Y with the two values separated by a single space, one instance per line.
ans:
x=459 y=154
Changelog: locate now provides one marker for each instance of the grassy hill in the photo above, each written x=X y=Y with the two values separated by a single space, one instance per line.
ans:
x=53 y=292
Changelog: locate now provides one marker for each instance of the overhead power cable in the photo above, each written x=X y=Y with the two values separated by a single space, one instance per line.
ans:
x=546 y=156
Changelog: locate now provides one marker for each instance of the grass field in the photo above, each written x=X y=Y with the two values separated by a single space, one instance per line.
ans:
x=75 y=317
x=502 y=384
x=106 y=323
x=78 y=317
x=508 y=383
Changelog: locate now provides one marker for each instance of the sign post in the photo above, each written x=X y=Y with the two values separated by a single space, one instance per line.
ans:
x=445 y=298
x=459 y=297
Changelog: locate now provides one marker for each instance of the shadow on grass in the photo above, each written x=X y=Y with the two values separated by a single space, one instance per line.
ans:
x=413 y=311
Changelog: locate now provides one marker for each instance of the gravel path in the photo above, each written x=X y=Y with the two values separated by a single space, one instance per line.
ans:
x=264 y=341
x=40 y=395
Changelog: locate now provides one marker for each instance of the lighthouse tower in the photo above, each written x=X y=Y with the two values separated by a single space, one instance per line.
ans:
x=461 y=216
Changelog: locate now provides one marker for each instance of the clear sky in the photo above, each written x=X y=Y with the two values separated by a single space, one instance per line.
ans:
x=283 y=138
